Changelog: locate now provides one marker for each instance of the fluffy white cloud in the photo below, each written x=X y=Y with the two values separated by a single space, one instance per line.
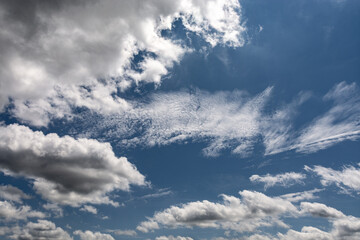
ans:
x=88 y=235
x=60 y=54
x=66 y=170
x=253 y=210
x=284 y=179
x=348 y=179
x=9 y=212
x=300 y=196
x=42 y=229
x=12 y=193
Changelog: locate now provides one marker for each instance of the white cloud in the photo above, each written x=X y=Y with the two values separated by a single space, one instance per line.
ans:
x=173 y=238
x=252 y=211
x=9 y=212
x=42 y=229
x=79 y=53
x=284 y=179
x=88 y=208
x=12 y=193
x=88 y=235
x=300 y=196
x=348 y=179
x=66 y=170
x=338 y=124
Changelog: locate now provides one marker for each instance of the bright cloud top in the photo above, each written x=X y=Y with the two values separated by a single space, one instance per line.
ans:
x=66 y=170
x=79 y=53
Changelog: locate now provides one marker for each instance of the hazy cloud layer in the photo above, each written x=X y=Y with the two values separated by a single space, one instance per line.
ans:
x=66 y=170
x=59 y=54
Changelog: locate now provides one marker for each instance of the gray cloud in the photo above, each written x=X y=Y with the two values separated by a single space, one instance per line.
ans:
x=66 y=170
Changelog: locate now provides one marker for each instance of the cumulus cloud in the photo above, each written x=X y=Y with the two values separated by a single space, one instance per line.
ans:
x=253 y=210
x=42 y=229
x=59 y=54
x=88 y=235
x=9 y=212
x=54 y=208
x=284 y=179
x=12 y=193
x=66 y=170
x=348 y=179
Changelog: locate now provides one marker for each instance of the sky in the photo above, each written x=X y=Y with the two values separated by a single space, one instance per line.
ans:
x=180 y=120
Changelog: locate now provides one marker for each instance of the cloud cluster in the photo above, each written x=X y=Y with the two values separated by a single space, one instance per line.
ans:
x=348 y=179
x=285 y=179
x=42 y=229
x=252 y=211
x=60 y=54
x=65 y=170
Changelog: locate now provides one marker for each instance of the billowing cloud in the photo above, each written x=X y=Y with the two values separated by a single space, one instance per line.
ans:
x=12 y=193
x=88 y=235
x=66 y=170
x=42 y=229
x=61 y=54
x=348 y=179
x=253 y=210
x=9 y=212
x=284 y=179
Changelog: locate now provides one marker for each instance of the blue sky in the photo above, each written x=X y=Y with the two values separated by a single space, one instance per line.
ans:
x=184 y=120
